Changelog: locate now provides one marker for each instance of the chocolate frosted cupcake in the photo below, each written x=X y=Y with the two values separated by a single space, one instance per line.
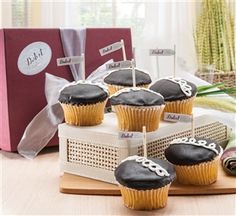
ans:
x=119 y=79
x=137 y=107
x=196 y=160
x=178 y=94
x=144 y=182
x=83 y=103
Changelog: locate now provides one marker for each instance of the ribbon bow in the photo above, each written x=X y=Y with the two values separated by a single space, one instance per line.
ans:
x=45 y=124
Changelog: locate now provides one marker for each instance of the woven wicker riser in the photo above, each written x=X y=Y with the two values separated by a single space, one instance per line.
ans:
x=228 y=78
x=96 y=151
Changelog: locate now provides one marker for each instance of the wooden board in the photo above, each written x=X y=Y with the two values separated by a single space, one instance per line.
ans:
x=80 y=185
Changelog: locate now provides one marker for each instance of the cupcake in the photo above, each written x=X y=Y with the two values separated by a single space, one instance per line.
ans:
x=196 y=160
x=119 y=79
x=137 y=107
x=178 y=94
x=144 y=182
x=83 y=103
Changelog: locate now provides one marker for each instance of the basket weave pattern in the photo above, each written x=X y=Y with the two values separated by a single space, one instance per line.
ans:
x=228 y=78
x=95 y=153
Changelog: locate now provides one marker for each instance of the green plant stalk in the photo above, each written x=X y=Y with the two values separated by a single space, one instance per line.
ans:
x=214 y=89
x=224 y=91
x=226 y=44
x=233 y=25
x=229 y=28
x=215 y=36
x=208 y=87
x=223 y=104
x=217 y=26
x=221 y=58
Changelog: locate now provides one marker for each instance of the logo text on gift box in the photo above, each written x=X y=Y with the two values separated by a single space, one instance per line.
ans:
x=34 y=58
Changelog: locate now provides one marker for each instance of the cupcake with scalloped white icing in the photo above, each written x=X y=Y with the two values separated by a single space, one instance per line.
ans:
x=137 y=107
x=144 y=182
x=83 y=103
x=196 y=160
x=178 y=94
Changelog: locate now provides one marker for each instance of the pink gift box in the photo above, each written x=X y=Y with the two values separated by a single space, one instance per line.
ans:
x=25 y=56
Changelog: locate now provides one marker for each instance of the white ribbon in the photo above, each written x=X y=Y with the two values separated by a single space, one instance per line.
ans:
x=44 y=125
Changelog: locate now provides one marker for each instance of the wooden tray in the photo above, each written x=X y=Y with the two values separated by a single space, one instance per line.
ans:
x=74 y=184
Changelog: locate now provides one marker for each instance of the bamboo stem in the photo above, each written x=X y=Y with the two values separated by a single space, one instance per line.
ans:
x=215 y=36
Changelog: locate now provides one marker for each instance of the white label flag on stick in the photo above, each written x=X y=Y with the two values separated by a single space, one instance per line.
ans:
x=123 y=135
x=119 y=65
x=133 y=72
x=176 y=117
x=161 y=52
x=129 y=135
x=113 y=47
x=110 y=48
x=73 y=60
x=69 y=60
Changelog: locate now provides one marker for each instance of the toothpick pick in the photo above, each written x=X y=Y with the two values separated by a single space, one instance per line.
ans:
x=192 y=127
x=144 y=142
x=133 y=73
x=174 y=60
x=134 y=53
x=158 y=68
x=83 y=66
x=123 y=50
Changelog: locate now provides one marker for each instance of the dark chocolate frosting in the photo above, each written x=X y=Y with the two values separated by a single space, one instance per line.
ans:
x=184 y=153
x=83 y=94
x=123 y=77
x=136 y=97
x=134 y=175
x=172 y=91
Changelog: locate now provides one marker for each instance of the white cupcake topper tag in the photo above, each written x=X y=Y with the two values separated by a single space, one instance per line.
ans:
x=73 y=60
x=154 y=167
x=163 y=52
x=113 y=47
x=201 y=143
x=186 y=89
x=119 y=65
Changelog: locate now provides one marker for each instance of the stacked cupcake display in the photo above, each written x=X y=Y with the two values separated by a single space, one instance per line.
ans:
x=144 y=181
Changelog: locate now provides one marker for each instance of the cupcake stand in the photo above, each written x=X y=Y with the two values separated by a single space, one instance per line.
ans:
x=89 y=155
